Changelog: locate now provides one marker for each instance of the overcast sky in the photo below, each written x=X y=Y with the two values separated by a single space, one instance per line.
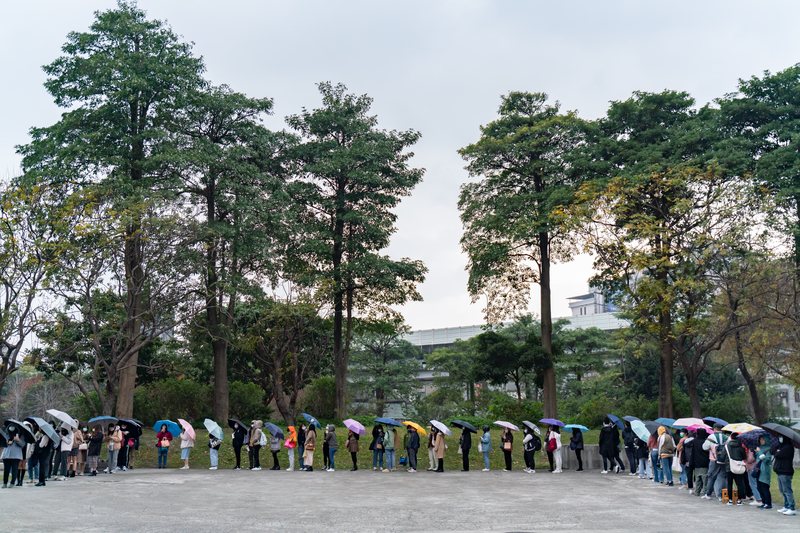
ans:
x=436 y=67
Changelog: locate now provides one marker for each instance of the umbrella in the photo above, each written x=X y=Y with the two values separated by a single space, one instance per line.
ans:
x=640 y=429
x=232 y=421
x=778 y=430
x=3 y=439
x=388 y=421
x=464 y=425
x=64 y=417
x=619 y=423
x=187 y=427
x=133 y=429
x=172 y=427
x=213 y=429
x=750 y=438
x=714 y=420
x=665 y=421
x=416 y=426
x=686 y=422
x=355 y=426
x=631 y=418
x=22 y=429
x=441 y=427
x=552 y=422
x=652 y=427
x=275 y=430
x=46 y=428
x=695 y=427
x=533 y=426
x=508 y=425
x=102 y=421
x=312 y=420
x=740 y=427
x=583 y=429
x=796 y=426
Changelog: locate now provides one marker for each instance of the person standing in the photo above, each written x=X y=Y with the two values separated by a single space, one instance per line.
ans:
x=187 y=443
x=333 y=445
x=66 y=449
x=254 y=448
x=83 y=449
x=326 y=455
x=310 y=446
x=41 y=456
x=377 y=447
x=432 y=450
x=784 y=455
x=700 y=463
x=72 y=458
x=486 y=447
x=666 y=451
x=239 y=436
x=11 y=456
x=113 y=439
x=163 y=439
x=389 y=449
x=352 y=446
x=555 y=435
x=717 y=477
x=606 y=445
x=616 y=446
x=628 y=438
x=642 y=453
x=438 y=448
x=687 y=462
x=735 y=452
x=507 y=445
x=275 y=448
x=301 y=446
x=576 y=444
x=96 y=446
x=682 y=438
x=413 y=446
x=291 y=444
x=465 y=445
x=213 y=450
x=764 y=458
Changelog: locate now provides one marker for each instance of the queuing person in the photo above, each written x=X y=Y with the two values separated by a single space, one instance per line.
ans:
x=555 y=439
x=550 y=456
x=413 y=446
x=83 y=449
x=652 y=443
x=684 y=456
x=606 y=446
x=784 y=455
x=507 y=445
x=122 y=456
x=311 y=443
x=700 y=461
x=96 y=445
x=465 y=443
x=736 y=456
x=163 y=439
x=254 y=447
x=616 y=443
x=72 y=457
x=389 y=449
x=333 y=445
x=666 y=451
x=642 y=454
x=41 y=456
x=432 y=450
x=528 y=450
x=239 y=437
x=33 y=465
x=326 y=456
x=301 y=445
x=213 y=451
x=717 y=477
x=576 y=444
x=377 y=447
x=352 y=446
x=291 y=444
x=133 y=447
x=486 y=447
x=275 y=448
x=439 y=448
x=113 y=439
x=65 y=448
x=628 y=438
x=764 y=471
x=11 y=456
x=187 y=443
x=682 y=438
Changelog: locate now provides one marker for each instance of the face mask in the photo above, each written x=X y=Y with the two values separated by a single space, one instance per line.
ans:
x=683 y=434
x=12 y=429
x=780 y=439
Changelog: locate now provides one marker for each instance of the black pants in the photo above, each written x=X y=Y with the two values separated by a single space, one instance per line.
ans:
x=689 y=478
x=465 y=459
x=237 y=451
x=10 y=467
x=275 y=464
x=326 y=457
x=619 y=459
x=354 y=457
x=57 y=459
x=253 y=454
x=440 y=468
x=578 y=457
x=632 y=462
x=529 y=461
x=43 y=460
x=609 y=458
x=741 y=482
x=122 y=458
x=550 y=459
x=412 y=458
x=766 y=496
x=507 y=456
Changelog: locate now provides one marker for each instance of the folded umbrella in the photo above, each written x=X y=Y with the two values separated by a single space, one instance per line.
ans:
x=213 y=429
x=388 y=421
x=311 y=420
x=686 y=422
x=24 y=432
x=102 y=421
x=441 y=427
x=533 y=426
x=740 y=427
x=552 y=422
x=46 y=428
x=778 y=430
x=187 y=427
x=464 y=425
x=64 y=417
x=172 y=427
x=583 y=429
x=232 y=421
x=355 y=426
x=275 y=430
x=420 y=429
x=640 y=430
x=714 y=420
x=619 y=423
x=631 y=418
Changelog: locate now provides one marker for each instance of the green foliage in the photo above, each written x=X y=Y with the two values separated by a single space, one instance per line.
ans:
x=320 y=398
x=247 y=402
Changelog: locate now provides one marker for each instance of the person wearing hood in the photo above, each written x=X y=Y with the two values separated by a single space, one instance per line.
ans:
x=352 y=446
x=239 y=436
x=333 y=445
x=606 y=446
x=784 y=455
x=486 y=447
x=465 y=443
x=389 y=449
x=413 y=446
x=717 y=478
x=432 y=449
x=310 y=446
x=736 y=454
x=576 y=444
x=254 y=448
x=438 y=448
x=628 y=438
x=290 y=444
x=699 y=459
x=377 y=447
x=275 y=448
x=96 y=445
x=764 y=471
x=642 y=453
x=684 y=481
x=666 y=451
x=11 y=456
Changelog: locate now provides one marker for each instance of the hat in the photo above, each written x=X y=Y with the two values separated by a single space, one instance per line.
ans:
x=718 y=426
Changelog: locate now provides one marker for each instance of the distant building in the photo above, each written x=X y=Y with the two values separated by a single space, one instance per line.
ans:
x=789 y=398
x=592 y=303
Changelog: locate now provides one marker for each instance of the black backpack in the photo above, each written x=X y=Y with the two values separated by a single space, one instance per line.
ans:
x=535 y=444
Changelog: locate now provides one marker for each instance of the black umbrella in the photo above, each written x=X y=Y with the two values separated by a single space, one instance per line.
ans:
x=275 y=430
x=464 y=425
x=22 y=429
x=652 y=427
x=778 y=430
x=232 y=421
x=134 y=430
x=3 y=439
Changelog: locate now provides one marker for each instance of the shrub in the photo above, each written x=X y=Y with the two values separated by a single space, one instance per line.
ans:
x=320 y=398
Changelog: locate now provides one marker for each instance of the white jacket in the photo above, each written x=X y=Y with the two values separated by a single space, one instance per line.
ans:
x=66 y=442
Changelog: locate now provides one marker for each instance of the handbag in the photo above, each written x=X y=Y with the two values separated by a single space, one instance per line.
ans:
x=83 y=446
x=165 y=443
x=480 y=447
x=737 y=467
x=676 y=464
x=459 y=452
x=571 y=444
x=507 y=446
x=310 y=447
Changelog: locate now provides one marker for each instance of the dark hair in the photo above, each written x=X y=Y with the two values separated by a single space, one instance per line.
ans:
x=485 y=429
x=557 y=429
x=606 y=420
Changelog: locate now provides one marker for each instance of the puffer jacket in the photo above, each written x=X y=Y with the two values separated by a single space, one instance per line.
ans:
x=330 y=439
x=255 y=433
x=274 y=444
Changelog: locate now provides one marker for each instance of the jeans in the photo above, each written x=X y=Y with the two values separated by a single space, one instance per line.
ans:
x=631 y=453
x=412 y=458
x=214 y=455
x=658 y=475
x=785 y=484
x=766 y=495
x=331 y=453
x=666 y=466
x=111 y=459
x=33 y=468
x=253 y=456
x=683 y=477
x=162 y=455
x=721 y=482
x=700 y=481
x=643 y=468
x=300 y=448
x=713 y=472
x=754 y=486
x=390 y=455
x=377 y=459
x=486 y=460
x=290 y=453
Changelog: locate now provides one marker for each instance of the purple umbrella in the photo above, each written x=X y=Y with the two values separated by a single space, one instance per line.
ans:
x=750 y=438
x=355 y=427
x=508 y=425
x=552 y=422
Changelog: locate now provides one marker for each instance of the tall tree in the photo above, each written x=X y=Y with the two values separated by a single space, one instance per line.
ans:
x=585 y=351
x=513 y=231
x=453 y=368
x=351 y=176
x=121 y=84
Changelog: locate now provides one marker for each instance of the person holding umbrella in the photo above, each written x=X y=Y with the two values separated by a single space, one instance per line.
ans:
x=389 y=449
x=413 y=446
x=275 y=449
x=352 y=446
x=438 y=449
x=239 y=435
x=187 y=443
x=465 y=443
x=42 y=450
x=431 y=449
x=163 y=439
x=377 y=447
x=628 y=437
x=784 y=455
x=95 y=446
x=310 y=446
x=507 y=444
x=12 y=455
x=65 y=449
x=486 y=447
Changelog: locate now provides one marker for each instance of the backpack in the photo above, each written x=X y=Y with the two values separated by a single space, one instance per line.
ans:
x=722 y=454
x=536 y=443
x=551 y=445
x=263 y=440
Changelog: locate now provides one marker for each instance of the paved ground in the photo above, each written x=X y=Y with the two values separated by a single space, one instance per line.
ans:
x=220 y=501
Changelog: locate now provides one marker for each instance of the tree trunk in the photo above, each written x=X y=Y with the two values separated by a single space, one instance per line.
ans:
x=666 y=354
x=759 y=409
x=519 y=395
x=339 y=363
x=694 y=398
x=549 y=385
x=221 y=389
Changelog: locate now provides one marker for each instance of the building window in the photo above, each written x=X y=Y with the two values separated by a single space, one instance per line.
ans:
x=797 y=396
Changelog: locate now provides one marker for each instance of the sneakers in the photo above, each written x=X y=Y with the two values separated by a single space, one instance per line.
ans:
x=691 y=491
x=705 y=497
x=256 y=468
x=237 y=468
x=604 y=472
x=765 y=507
x=670 y=484
x=632 y=474
x=789 y=512
x=740 y=502
x=289 y=469
x=5 y=485
x=756 y=502
x=505 y=470
x=484 y=470
x=729 y=503
x=782 y=510
x=330 y=470
x=412 y=471
x=616 y=469
x=375 y=468
x=213 y=468
x=185 y=467
x=531 y=471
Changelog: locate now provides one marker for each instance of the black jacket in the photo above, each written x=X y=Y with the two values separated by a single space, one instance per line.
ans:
x=735 y=451
x=466 y=440
x=784 y=455
x=606 y=441
x=628 y=436
x=95 y=444
x=239 y=435
x=301 y=438
x=577 y=440
x=413 y=441
x=642 y=450
x=699 y=457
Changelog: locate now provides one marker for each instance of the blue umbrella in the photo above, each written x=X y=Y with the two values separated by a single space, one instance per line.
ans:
x=312 y=420
x=275 y=430
x=172 y=427
x=715 y=420
x=45 y=426
x=620 y=424
x=631 y=418
x=666 y=421
x=213 y=429
x=388 y=421
x=640 y=430
x=103 y=421
x=583 y=429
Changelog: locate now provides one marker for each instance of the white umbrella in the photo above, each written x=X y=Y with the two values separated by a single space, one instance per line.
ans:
x=508 y=425
x=685 y=422
x=441 y=427
x=64 y=417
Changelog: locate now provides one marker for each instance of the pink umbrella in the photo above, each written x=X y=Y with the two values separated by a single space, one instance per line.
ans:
x=355 y=427
x=695 y=427
x=508 y=425
x=187 y=427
